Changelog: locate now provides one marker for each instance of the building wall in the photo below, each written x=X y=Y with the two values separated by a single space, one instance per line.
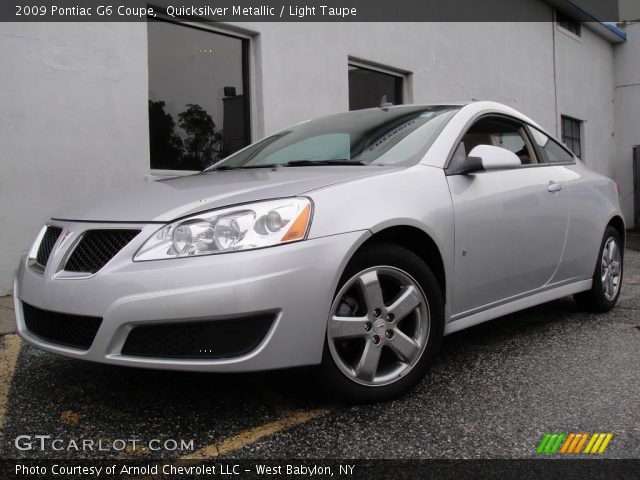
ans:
x=74 y=121
x=75 y=95
x=584 y=71
x=510 y=63
x=629 y=9
x=627 y=114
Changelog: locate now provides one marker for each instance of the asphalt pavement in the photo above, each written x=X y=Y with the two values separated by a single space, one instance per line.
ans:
x=494 y=391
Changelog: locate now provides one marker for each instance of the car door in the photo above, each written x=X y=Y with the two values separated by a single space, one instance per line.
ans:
x=510 y=225
x=585 y=209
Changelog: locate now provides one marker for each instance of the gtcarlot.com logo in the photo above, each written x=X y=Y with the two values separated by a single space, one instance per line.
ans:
x=569 y=443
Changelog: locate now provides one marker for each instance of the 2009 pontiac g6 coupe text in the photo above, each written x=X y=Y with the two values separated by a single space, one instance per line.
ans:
x=352 y=242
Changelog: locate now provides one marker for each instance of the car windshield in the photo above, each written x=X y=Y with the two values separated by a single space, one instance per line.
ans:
x=380 y=136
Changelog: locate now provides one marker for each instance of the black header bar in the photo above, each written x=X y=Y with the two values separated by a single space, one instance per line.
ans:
x=306 y=10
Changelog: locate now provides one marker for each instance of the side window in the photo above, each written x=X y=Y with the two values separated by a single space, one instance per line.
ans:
x=552 y=150
x=499 y=132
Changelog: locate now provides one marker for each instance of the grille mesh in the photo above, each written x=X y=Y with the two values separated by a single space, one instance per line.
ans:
x=96 y=248
x=204 y=339
x=46 y=245
x=61 y=328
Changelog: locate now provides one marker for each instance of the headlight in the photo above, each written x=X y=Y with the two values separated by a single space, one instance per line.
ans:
x=245 y=227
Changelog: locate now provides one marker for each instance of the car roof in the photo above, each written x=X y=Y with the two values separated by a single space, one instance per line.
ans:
x=477 y=106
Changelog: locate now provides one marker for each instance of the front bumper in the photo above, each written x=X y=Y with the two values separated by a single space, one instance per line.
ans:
x=295 y=283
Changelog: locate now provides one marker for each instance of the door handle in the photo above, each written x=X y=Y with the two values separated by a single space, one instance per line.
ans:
x=554 y=186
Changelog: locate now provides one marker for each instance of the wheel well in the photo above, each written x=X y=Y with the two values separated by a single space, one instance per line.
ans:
x=418 y=242
x=617 y=223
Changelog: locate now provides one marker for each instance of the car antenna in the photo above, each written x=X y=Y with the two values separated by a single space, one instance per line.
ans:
x=384 y=104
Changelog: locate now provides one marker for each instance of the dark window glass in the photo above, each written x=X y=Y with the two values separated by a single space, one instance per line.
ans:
x=552 y=150
x=366 y=88
x=571 y=135
x=568 y=23
x=198 y=96
x=366 y=137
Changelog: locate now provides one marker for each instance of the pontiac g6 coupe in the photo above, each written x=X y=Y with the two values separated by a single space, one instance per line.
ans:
x=352 y=243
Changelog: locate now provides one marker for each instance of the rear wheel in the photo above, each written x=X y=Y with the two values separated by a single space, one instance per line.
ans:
x=385 y=325
x=607 y=278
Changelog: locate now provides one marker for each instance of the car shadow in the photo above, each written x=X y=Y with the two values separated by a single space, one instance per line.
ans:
x=291 y=387
x=52 y=393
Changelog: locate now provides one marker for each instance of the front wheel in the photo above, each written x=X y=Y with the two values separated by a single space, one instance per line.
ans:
x=385 y=325
x=607 y=278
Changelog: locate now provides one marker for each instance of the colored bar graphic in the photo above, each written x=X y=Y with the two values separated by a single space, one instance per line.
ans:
x=556 y=446
x=568 y=443
x=591 y=443
x=543 y=443
x=605 y=443
x=550 y=443
x=581 y=443
x=573 y=443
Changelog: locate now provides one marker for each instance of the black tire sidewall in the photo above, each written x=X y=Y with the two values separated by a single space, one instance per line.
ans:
x=602 y=301
x=336 y=382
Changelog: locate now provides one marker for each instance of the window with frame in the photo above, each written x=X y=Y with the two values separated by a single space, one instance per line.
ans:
x=571 y=134
x=498 y=132
x=367 y=86
x=198 y=95
x=567 y=23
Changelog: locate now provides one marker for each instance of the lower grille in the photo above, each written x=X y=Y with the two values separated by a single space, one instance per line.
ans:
x=64 y=329
x=206 y=339
x=96 y=248
x=49 y=239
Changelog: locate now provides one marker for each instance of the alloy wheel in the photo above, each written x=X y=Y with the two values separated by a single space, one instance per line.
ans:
x=611 y=268
x=378 y=326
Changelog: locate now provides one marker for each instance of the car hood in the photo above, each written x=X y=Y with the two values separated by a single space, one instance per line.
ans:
x=166 y=200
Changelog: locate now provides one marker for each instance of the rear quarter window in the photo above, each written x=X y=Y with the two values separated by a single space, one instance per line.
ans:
x=552 y=151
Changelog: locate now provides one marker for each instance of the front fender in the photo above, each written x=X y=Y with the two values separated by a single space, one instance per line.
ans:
x=418 y=197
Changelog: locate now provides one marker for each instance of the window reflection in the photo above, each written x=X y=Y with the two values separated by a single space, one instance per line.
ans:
x=367 y=87
x=198 y=102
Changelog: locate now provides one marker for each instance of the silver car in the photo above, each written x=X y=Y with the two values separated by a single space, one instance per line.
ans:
x=352 y=243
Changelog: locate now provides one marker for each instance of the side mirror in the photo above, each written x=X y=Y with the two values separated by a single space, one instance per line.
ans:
x=488 y=157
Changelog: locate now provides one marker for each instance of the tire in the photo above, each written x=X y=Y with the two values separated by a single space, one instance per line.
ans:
x=402 y=345
x=605 y=290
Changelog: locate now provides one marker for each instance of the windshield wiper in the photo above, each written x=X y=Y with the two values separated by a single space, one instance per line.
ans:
x=242 y=167
x=292 y=163
x=311 y=163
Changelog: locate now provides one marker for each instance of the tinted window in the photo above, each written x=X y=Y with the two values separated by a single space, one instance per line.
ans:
x=568 y=23
x=367 y=87
x=198 y=102
x=552 y=150
x=571 y=134
x=375 y=136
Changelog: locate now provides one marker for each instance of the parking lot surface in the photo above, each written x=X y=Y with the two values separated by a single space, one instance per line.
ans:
x=493 y=392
